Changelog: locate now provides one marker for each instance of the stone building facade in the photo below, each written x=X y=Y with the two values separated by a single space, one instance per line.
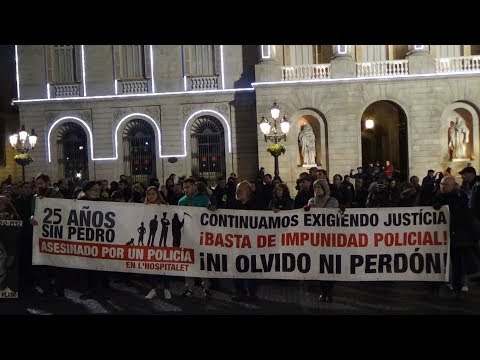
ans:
x=153 y=110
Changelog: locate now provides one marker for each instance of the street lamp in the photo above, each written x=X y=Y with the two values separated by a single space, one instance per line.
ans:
x=271 y=132
x=23 y=142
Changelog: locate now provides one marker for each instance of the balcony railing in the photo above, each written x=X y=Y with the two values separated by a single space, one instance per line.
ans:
x=457 y=64
x=133 y=86
x=203 y=82
x=382 y=68
x=65 y=90
x=306 y=72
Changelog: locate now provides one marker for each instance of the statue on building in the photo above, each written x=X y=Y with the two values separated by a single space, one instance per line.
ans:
x=458 y=138
x=306 y=142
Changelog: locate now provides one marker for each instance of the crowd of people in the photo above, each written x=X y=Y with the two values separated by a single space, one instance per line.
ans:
x=375 y=186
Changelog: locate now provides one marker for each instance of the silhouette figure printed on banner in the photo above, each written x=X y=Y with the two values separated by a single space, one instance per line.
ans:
x=131 y=242
x=153 y=231
x=141 y=231
x=176 y=229
x=163 y=236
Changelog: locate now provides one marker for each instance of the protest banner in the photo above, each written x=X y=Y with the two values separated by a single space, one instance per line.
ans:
x=398 y=244
x=10 y=236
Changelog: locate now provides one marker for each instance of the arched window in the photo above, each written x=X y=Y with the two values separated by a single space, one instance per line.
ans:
x=208 y=148
x=139 y=151
x=72 y=152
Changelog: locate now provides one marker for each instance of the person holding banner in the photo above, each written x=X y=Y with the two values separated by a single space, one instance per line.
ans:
x=281 y=199
x=245 y=289
x=322 y=200
x=42 y=182
x=194 y=198
x=464 y=252
x=155 y=198
x=97 y=281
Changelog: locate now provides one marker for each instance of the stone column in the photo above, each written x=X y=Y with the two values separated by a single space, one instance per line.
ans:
x=420 y=61
x=342 y=64
x=267 y=67
x=267 y=53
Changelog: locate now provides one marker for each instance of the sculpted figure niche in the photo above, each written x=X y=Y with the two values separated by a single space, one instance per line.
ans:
x=306 y=143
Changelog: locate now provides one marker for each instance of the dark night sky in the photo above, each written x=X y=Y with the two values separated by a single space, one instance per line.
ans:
x=8 y=86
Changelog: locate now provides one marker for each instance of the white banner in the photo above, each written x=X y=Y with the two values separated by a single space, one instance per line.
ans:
x=398 y=244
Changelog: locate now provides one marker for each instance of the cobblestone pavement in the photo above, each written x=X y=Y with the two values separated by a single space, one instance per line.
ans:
x=275 y=297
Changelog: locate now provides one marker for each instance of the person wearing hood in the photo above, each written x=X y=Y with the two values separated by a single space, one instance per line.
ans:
x=322 y=199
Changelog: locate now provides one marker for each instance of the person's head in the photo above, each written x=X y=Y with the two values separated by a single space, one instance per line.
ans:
x=276 y=181
x=91 y=190
x=431 y=173
x=319 y=188
x=387 y=162
x=281 y=191
x=221 y=183
x=448 y=184
x=468 y=174
x=124 y=177
x=268 y=179
x=201 y=187
x=414 y=180
x=190 y=188
x=178 y=189
x=154 y=182
x=306 y=182
x=26 y=189
x=117 y=196
x=63 y=184
x=122 y=184
x=153 y=195
x=359 y=169
x=42 y=182
x=322 y=174
x=113 y=185
x=358 y=183
x=137 y=188
x=5 y=262
x=337 y=180
x=170 y=183
x=243 y=192
x=313 y=171
x=104 y=185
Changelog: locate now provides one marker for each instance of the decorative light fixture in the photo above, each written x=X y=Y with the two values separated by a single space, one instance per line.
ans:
x=369 y=124
x=23 y=142
x=271 y=132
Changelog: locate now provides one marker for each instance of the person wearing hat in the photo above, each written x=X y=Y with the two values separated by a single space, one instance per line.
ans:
x=306 y=191
x=471 y=185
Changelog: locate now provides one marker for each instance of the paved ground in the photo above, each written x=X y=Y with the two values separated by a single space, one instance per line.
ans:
x=275 y=298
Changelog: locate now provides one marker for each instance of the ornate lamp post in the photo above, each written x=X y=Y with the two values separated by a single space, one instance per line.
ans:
x=271 y=132
x=23 y=142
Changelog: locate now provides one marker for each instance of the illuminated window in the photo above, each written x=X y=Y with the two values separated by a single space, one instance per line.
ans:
x=139 y=151
x=208 y=148
x=72 y=151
